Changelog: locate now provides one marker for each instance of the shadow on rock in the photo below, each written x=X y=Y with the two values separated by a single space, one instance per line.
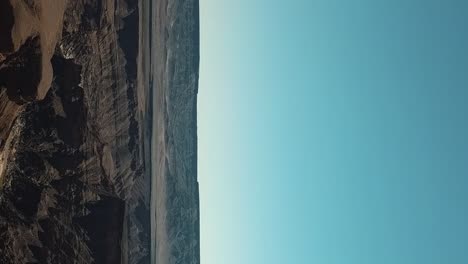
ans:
x=6 y=25
x=20 y=73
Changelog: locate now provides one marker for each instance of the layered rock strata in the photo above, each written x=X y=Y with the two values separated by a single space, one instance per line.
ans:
x=98 y=131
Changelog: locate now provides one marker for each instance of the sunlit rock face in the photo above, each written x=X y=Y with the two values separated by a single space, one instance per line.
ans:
x=98 y=144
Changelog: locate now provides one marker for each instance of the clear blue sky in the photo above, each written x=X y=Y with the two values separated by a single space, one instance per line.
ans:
x=334 y=132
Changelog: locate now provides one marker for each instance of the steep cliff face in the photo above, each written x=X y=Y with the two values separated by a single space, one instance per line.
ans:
x=98 y=131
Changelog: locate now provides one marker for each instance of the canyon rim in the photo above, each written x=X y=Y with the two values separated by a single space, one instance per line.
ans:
x=98 y=131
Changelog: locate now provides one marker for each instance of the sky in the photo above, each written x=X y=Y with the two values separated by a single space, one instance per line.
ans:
x=333 y=131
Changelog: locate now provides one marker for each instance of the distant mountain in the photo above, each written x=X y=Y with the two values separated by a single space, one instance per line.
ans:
x=98 y=131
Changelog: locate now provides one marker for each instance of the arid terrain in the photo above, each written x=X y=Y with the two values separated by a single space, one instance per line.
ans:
x=98 y=143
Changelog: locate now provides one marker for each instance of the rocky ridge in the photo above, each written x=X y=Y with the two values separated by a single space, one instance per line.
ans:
x=77 y=174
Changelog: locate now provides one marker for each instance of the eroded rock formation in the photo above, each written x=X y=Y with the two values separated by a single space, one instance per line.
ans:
x=98 y=131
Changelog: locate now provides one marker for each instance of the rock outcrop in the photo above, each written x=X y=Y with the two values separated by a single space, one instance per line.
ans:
x=98 y=147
